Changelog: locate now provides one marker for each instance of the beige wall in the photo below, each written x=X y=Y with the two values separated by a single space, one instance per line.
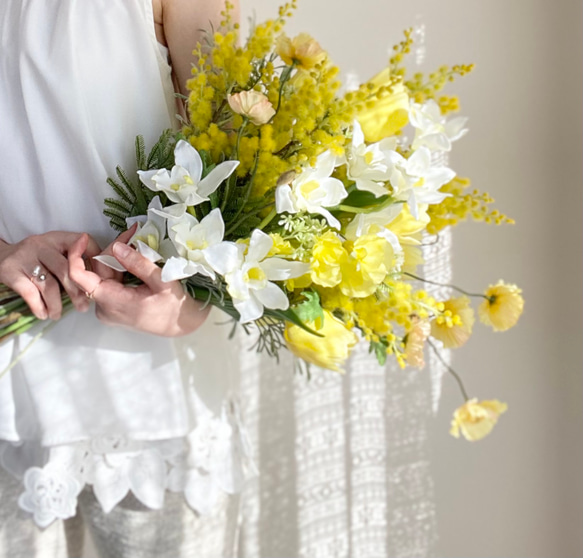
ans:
x=519 y=492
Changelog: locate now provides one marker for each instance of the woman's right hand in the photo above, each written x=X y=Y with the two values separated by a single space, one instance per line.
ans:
x=47 y=254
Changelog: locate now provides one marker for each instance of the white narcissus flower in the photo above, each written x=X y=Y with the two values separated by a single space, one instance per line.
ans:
x=249 y=274
x=416 y=181
x=252 y=104
x=369 y=165
x=432 y=129
x=191 y=240
x=183 y=184
x=313 y=191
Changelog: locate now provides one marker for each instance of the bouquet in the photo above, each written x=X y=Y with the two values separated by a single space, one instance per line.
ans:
x=300 y=211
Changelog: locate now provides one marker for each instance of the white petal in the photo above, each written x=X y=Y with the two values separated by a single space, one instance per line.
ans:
x=214 y=226
x=110 y=261
x=147 y=178
x=175 y=211
x=283 y=200
x=370 y=186
x=175 y=269
x=250 y=309
x=272 y=297
x=437 y=177
x=278 y=269
x=225 y=257
x=419 y=162
x=140 y=219
x=259 y=246
x=110 y=485
x=357 y=135
x=334 y=191
x=148 y=252
x=325 y=164
x=187 y=157
x=147 y=477
x=412 y=202
x=392 y=239
x=332 y=221
x=434 y=142
x=214 y=178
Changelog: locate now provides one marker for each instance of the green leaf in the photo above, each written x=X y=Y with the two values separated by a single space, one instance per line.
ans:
x=380 y=350
x=360 y=198
x=310 y=310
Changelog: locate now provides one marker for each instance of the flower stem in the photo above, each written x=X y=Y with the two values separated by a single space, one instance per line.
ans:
x=450 y=370
x=478 y=295
x=267 y=219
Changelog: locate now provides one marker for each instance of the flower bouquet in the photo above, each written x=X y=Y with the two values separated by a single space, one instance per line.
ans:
x=300 y=211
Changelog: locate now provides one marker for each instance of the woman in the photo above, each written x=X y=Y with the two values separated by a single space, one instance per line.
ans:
x=128 y=411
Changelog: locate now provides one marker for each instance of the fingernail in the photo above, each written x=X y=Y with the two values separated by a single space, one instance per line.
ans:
x=121 y=250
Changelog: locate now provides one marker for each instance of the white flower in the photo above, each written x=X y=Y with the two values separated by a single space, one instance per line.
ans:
x=432 y=129
x=416 y=181
x=369 y=165
x=313 y=191
x=191 y=240
x=249 y=274
x=50 y=493
x=183 y=183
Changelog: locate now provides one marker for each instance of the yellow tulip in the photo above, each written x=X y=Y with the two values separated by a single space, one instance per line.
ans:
x=389 y=114
x=329 y=351
x=476 y=420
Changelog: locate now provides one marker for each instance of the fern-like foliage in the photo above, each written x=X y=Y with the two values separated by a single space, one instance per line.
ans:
x=133 y=197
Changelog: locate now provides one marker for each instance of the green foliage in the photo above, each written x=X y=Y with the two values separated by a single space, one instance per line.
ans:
x=310 y=310
x=379 y=348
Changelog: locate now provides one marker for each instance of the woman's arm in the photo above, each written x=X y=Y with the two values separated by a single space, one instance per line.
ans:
x=180 y=24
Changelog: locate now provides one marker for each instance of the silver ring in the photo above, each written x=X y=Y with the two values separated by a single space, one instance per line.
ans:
x=42 y=277
x=37 y=271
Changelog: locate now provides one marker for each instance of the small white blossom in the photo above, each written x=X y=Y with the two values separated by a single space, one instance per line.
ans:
x=313 y=191
x=434 y=130
x=249 y=274
x=183 y=184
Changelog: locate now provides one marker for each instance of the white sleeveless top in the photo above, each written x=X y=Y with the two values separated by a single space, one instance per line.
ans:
x=90 y=404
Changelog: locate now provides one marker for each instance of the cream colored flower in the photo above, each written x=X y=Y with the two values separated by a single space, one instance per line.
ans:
x=302 y=50
x=252 y=104
x=329 y=351
x=503 y=307
x=416 y=338
x=454 y=326
x=476 y=420
x=389 y=114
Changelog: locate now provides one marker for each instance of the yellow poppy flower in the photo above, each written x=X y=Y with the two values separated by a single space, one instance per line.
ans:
x=476 y=420
x=302 y=50
x=503 y=307
x=454 y=326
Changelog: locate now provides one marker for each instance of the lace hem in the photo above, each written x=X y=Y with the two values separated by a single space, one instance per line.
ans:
x=214 y=458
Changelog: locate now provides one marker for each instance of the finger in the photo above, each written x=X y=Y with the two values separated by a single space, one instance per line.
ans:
x=51 y=294
x=140 y=266
x=62 y=241
x=22 y=285
x=107 y=272
x=58 y=265
x=86 y=280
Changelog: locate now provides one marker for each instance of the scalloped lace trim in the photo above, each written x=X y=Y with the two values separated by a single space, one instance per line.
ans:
x=214 y=458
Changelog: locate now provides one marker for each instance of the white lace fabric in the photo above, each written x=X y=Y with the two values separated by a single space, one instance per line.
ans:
x=213 y=459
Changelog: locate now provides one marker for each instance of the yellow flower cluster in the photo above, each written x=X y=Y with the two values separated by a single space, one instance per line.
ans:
x=422 y=88
x=460 y=206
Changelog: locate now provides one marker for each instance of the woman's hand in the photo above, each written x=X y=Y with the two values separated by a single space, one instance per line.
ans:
x=154 y=307
x=37 y=267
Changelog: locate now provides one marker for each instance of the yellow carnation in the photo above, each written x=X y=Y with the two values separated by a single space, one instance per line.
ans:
x=454 y=326
x=371 y=259
x=388 y=114
x=476 y=420
x=503 y=307
x=329 y=351
x=302 y=50
x=328 y=254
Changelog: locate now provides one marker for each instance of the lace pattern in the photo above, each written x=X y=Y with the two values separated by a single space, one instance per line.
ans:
x=213 y=459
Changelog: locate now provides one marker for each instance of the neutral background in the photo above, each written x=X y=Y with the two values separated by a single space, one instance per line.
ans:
x=518 y=493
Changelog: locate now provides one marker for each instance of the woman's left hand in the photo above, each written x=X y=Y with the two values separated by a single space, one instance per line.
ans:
x=155 y=307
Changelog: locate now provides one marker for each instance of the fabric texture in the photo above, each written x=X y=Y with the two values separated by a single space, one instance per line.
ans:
x=121 y=411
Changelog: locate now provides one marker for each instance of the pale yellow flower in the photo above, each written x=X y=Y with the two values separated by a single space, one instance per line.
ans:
x=280 y=246
x=302 y=50
x=389 y=114
x=328 y=254
x=454 y=326
x=329 y=351
x=503 y=307
x=476 y=420
x=252 y=104
x=416 y=338
x=371 y=259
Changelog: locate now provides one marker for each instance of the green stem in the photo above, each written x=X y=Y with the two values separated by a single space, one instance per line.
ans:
x=233 y=176
x=450 y=370
x=285 y=75
x=267 y=219
x=248 y=190
x=477 y=295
